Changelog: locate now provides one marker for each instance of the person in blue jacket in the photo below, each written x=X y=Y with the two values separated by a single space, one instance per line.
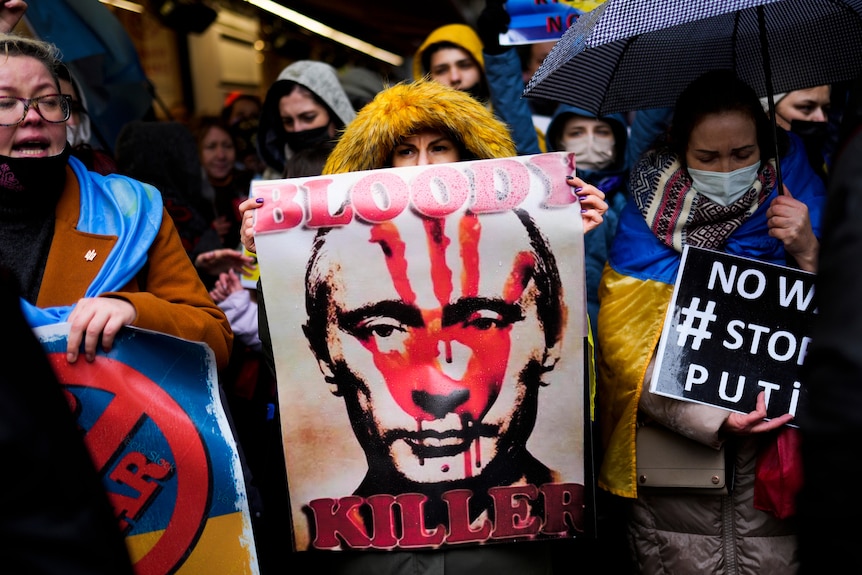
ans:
x=599 y=145
x=504 y=74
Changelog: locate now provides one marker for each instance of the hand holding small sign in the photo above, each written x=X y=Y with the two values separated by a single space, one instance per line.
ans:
x=754 y=422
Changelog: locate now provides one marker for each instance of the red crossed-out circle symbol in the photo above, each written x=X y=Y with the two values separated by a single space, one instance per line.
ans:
x=136 y=397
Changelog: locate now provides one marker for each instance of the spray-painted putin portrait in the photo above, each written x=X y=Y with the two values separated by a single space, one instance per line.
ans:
x=437 y=334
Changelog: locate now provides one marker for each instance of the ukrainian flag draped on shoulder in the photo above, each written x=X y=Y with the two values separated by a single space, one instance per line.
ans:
x=637 y=283
x=110 y=205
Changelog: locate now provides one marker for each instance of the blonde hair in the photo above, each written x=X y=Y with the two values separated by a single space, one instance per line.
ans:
x=48 y=54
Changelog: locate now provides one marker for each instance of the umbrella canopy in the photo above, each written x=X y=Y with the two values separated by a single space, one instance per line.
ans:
x=102 y=57
x=636 y=54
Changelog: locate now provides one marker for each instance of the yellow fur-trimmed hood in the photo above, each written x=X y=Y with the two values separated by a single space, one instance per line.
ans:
x=368 y=141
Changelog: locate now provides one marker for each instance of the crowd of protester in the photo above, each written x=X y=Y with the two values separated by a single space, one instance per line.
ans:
x=711 y=157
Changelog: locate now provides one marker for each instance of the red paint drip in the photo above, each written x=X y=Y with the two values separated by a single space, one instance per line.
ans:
x=441 y=275
x=522 y=270
x=419 y=429
x=386 y=234
x=469 y=233
x=468 y=468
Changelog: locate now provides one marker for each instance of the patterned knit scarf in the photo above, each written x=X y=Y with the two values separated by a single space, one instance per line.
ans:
x=678 y=215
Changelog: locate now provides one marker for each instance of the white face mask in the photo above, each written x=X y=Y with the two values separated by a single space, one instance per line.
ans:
x=724 y=188
x=591 y=153
x=79 y=133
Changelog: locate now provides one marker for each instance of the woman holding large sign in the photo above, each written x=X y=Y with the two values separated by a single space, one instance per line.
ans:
x=419 y=124
x=711 y=185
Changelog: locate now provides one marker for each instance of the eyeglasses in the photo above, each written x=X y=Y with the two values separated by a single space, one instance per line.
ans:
x=54 y=108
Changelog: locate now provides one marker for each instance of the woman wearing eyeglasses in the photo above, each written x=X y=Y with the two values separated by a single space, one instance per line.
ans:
x=78 y=251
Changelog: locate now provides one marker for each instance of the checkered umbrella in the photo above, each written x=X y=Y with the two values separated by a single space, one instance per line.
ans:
x=635 y=54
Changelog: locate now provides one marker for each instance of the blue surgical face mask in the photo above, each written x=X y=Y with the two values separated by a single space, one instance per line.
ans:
x=724 y=188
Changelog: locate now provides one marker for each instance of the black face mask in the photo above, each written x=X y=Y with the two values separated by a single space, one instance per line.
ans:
x=307 y=138
x=245 y=134
x=34 y=175
x=814 y=132
x=814 y=136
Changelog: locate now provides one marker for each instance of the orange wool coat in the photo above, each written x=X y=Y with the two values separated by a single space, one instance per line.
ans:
x=167 y=294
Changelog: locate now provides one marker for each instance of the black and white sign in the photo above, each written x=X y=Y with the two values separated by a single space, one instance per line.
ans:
x=736 y=327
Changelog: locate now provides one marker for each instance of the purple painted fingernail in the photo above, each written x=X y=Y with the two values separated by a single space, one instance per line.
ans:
x=578 y=189
x=582 y=198
x=570 y=177
x=259 y=200
x=583 y=211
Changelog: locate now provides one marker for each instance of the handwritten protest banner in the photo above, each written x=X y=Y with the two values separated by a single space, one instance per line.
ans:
x=542 y=20
x=428 y=328
x=735 y=327
x=158 y=435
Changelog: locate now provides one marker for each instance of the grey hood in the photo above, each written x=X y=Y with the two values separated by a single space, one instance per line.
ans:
x=319 y=78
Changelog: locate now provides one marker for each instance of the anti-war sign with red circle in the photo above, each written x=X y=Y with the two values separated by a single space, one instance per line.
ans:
x=157 y=432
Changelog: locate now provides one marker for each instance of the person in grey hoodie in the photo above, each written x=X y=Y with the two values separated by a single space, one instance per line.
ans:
x=306 y=105
x=599 y=144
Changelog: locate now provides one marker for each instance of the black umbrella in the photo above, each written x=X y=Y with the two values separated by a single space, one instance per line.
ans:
x=635 y=54
x=102 y=57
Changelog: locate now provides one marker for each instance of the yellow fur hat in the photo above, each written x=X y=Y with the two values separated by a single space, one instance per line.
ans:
x=368 y=141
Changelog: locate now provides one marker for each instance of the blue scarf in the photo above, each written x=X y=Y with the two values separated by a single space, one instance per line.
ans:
x=112 y=205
